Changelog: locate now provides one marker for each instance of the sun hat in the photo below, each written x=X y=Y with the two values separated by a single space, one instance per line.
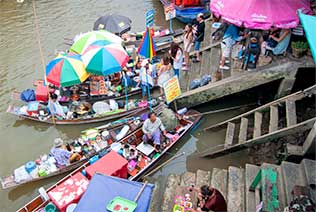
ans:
x=58 y=142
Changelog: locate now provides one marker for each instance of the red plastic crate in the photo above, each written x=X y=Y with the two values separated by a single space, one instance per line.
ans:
x=112 y=164
x=69 y=191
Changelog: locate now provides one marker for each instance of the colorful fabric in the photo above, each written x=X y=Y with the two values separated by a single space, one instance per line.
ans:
x=255 y=14
x=84 y=40
x=104 y=58
x=66 y=70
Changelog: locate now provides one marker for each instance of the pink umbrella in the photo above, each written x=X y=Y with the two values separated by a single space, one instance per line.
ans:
x=260 y=14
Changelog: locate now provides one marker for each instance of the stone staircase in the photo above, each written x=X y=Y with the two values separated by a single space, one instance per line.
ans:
x=239 y=186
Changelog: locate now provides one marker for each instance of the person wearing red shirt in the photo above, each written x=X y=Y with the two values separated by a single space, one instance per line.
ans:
x=210 y=199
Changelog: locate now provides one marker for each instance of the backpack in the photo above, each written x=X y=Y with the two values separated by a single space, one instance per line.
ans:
x=219 y=33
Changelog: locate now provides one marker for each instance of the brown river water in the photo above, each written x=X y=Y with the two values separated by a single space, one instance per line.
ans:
x=20 y=65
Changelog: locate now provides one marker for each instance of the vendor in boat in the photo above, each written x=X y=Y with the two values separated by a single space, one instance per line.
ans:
x=62 y=156
x=55 y=108
x=152 y=129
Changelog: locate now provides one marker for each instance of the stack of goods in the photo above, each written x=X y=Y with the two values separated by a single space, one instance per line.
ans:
x=34 y=169
x=97 y=86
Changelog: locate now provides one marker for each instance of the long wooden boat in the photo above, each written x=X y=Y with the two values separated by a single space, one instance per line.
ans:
x=186 y=14
x=85 y=119
x=86 y=140
x=146 y=162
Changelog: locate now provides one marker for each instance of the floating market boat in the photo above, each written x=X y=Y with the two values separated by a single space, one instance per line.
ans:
x=187 y=10
x=78 y=112
x=60 y=193
x=92 y=142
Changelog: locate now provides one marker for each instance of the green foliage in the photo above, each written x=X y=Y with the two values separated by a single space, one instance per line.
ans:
x=299 y=45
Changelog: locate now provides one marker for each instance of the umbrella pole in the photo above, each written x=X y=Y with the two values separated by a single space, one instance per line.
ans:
x=126 y=96
x=148 y=90
x=41 y=51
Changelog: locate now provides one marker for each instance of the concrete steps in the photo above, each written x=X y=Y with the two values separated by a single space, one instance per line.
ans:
x=235 y=191
x=250 y=174
x=219 y=180
x=276 y=182
x=292 y=175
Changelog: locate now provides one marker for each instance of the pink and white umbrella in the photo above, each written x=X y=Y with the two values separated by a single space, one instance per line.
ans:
x=260 y=14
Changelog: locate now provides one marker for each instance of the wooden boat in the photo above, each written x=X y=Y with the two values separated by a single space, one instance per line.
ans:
x=90 y=139
x=187 y=122
x=188 y=13
x=94 y=91
x=163 y=39
x=82 y=119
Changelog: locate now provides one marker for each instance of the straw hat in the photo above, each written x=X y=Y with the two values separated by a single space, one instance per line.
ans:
x=58 y=142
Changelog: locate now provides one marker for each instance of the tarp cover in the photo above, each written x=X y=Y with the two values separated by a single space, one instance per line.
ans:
x=309 y=24
x=102 y=189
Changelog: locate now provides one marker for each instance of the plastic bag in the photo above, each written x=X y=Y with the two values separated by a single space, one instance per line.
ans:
x=113 y=104
x=28 y=95
x=195 y=84
x=205 y=80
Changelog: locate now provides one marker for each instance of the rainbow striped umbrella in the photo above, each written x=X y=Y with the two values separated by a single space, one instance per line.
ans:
x=66 y=70
x=147 y=48
x=86 y=39
x=104 y=58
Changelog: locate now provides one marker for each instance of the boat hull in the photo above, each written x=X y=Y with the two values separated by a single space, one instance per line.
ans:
x=79 y=121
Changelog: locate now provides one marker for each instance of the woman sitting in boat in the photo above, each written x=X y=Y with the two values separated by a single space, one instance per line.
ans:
x=55 y=108
x=152 y=129
x=62 y=156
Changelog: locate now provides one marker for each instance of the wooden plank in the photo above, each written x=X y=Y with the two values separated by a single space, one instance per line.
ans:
x=262 y=139
x=290 y=108
x=274 y=118
x=236 y=186
x=207 y=48
x=229 y=134
x=219 y=181
x=294 y=96
x=258 y=124
x=250 y=174
x=298 y=95
x=243 y=130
